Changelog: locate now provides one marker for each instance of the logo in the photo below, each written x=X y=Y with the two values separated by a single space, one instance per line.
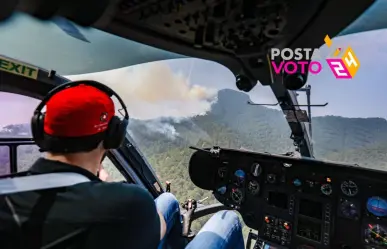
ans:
x=104 y=117
x=294 y=61
x=343 y=65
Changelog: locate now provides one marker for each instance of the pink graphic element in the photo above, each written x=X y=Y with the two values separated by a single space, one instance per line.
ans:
x=303 y=64
x=277 y=69
x=291 y=67
x=339 y=69
x=313 y=70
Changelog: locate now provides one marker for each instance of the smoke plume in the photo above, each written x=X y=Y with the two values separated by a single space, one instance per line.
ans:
x=153 y=91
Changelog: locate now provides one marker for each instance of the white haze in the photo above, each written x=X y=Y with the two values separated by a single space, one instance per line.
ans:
x=161 y=127
x=153 y=91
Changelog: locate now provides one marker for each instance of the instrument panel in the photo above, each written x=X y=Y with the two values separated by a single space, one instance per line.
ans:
x=304 y=203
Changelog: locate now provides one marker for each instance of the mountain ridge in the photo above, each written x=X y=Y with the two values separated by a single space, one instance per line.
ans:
x=255 y=127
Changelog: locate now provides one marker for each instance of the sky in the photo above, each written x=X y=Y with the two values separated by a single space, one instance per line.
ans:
x=181 y=87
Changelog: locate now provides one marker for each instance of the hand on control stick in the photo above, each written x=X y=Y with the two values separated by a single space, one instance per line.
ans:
x=190 y=206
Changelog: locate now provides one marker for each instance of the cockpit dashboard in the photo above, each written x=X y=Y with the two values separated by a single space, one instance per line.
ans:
x=298 y=202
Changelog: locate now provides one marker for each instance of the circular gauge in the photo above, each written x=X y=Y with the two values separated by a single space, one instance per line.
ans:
x=253 y=187
x=349 y=188
x=256 y=169
x=240 y=176
x=376 y=234
x=377 y=206
x=237 y=195
x=349 y=210
x=326 y=189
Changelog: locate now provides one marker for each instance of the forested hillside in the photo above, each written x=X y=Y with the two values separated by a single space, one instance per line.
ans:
x=235 y=124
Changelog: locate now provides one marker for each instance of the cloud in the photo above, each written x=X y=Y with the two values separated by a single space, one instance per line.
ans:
x=153 y=90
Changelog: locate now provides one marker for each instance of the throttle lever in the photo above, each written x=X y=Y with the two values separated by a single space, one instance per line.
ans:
x=190 y=204
x=168 y=186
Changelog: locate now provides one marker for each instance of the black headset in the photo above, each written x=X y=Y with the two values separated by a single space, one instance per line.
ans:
x=115 y=133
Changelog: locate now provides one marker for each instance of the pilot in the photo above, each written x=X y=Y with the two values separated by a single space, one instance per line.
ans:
x=114 y=215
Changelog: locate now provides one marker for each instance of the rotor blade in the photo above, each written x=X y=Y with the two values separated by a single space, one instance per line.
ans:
x=69 y=28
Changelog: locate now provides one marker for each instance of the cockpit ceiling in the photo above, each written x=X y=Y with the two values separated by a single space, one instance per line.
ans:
x=234 y=27
x=234 y=31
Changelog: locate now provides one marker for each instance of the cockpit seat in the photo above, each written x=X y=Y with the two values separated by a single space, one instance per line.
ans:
x=23 y=229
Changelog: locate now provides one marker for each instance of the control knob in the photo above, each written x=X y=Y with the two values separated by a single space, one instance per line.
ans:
x=256 y=169
x=271 y=178
x=297 y=182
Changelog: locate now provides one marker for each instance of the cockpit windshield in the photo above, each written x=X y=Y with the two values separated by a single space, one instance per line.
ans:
x=174 y=102
x=352 y=128
x=177 y=103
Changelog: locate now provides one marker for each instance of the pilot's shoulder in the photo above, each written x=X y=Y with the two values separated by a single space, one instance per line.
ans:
x=122 y=192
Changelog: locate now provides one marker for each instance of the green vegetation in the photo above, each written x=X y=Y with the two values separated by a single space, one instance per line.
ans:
x=234 y=124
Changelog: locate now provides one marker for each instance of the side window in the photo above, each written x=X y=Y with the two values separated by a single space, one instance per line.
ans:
x=114 y=175
x=15 y=112
x=4 y=160
x=26 y=156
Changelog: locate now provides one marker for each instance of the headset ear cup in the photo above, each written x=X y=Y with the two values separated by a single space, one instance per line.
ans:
x=122 y=131
x=115 y=134
x=37 y=128
x=34 y=120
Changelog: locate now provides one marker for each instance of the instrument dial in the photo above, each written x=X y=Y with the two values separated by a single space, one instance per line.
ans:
x=376 y=234
x=271 y=178
x=222 y=190
x=253 y=187
x=256 y=169
x=240 y=176
x=349 y=209
x=237 y=195
x=377 y=206
x=326 y=189
x=349 y=188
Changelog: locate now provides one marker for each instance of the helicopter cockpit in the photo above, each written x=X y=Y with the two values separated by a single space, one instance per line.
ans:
x=199 y=74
